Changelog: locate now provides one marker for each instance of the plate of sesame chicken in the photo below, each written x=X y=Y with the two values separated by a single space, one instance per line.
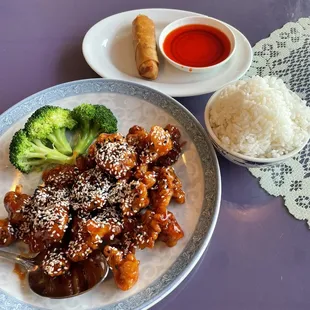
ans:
x=110 y=167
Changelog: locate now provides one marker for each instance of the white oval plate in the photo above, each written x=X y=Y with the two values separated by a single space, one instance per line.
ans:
x=162 y=268
x=108 y=49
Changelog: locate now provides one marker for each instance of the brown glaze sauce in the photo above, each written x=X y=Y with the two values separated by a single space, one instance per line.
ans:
x=21 y=273
x=81 y=277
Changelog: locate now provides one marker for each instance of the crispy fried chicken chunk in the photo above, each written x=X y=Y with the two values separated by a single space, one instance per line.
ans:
x=125 y=268
x=171 y=231
x=114 y=155
x=54 y=261
x=168 y=185
x=158 y=143
x=60 y=176
x=45 y=218
x=132 y=197
x=90 y=190
x=6 y=233
x=14 y=202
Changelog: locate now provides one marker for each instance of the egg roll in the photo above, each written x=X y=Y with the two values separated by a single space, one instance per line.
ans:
x=144 y=40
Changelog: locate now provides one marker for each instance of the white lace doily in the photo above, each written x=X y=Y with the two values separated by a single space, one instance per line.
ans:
x=286 y=54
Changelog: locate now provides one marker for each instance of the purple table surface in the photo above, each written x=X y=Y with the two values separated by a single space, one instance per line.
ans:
x=259 y=255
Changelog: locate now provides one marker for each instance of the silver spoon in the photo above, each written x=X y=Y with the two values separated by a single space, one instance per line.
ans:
x=82 y=277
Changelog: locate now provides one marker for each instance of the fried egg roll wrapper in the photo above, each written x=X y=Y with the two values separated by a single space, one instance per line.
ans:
x=143 y=31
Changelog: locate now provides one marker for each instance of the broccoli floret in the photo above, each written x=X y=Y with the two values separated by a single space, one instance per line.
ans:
x=27 y=154
x=92 y=120
x=50 y=123
x=29 y=147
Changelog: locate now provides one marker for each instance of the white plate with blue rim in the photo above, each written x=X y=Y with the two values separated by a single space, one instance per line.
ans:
x=162 y=268
x=108 y=49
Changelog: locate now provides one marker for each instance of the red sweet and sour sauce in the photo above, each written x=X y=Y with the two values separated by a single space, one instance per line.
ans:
x=197 y=46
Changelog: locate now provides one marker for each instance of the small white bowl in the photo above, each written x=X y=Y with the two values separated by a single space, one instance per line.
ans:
x=200 y=20
x=240 y=159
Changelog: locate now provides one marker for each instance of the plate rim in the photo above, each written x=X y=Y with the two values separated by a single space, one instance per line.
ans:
x=186 y=91
x=5 y=124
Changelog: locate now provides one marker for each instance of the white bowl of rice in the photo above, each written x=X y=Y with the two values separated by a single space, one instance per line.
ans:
x=257 y=122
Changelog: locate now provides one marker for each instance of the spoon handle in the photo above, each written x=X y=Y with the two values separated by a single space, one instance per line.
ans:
x=26 y=263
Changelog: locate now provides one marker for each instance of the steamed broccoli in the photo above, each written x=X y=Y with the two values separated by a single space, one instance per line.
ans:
x=92 y=120
x=27 y=154
x=50 y=123
x=29 y=148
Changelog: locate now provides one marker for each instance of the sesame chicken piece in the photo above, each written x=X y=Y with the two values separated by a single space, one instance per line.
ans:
x=178 y=193
x=90 y=190
x=132 y=197
x=171 y=231
x=158 y=143
x=160 y=198
x=14 y=202
x=157 y=226
x=45 y=218
x=60 y=176
x=149 y=229
x=46 y=197
x=54 y=262
x=89 y=232
x=146 y=176
x=24 y=232
x=168 y=185
x=6 y=233
x=105 y=225
x=125 y=268
x=102 y=139
x=46 y=232
x=126 y=241
x=113 y=154
x=137 y=137
x=115 y=157
x=78 y=248
x=173 y=155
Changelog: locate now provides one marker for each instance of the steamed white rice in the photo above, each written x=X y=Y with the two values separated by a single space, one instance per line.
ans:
x=260 y=118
